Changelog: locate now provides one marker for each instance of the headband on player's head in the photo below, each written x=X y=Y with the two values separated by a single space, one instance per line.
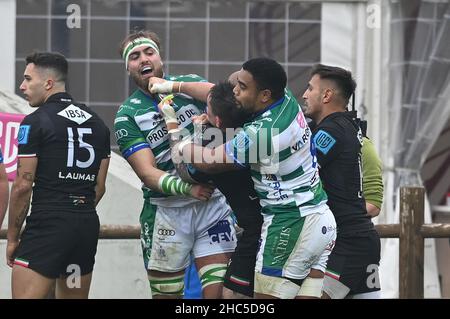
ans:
x=139 y=42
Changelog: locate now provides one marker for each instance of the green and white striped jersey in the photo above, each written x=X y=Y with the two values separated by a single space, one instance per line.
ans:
x=139 y=125
x=277 y=146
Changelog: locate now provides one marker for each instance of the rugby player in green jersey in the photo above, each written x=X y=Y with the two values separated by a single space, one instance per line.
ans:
x=178 y=219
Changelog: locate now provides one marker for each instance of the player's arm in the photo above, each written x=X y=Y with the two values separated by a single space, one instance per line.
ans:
x=20 y=202
x=372 y=178
x=197 y=90
x=4 y=192
x=100 y=187
x=208 y=160
x=144 y=165
x=139 y=155
x=372 y=210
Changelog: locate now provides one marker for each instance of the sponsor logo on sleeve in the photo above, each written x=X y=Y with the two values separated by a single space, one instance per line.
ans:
x=324 y=141
x=24 y=132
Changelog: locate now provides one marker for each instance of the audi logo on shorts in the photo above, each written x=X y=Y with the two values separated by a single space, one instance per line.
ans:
x=121 y=133
x=166 y=232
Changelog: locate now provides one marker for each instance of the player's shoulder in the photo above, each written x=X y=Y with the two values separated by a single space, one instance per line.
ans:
x=34 y=116
x=253 y=125
x=258 y=128
x=186 y=78
x=338 y=120
x=135 y=101
x=264 y=123
x=331 y=125
x=328 y=129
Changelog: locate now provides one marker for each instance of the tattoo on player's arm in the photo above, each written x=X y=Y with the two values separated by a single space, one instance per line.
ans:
x=22 y=215
x=28 y=176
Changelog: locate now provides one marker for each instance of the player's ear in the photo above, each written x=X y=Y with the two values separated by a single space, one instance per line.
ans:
x=49 y=83
x=327 y=95
x=218 y=122
x=266 y=95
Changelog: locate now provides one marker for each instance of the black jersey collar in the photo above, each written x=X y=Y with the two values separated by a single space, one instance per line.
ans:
x=335 y=114
x=60 y=97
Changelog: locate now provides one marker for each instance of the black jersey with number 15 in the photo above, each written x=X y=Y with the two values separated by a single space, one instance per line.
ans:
x=69 y=141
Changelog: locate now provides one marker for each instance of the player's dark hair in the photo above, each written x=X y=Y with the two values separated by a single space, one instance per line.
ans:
x=224 y=105
x=268 y=75
x=50 y=60
x=340 y=77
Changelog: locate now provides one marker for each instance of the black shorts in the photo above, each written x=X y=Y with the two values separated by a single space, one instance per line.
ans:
x=354 y=262
x=240 y=273
x=53 y=241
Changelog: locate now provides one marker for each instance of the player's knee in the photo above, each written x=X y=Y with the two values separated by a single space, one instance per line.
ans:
x=227 y=293
x=212 y=274
x=170 y=286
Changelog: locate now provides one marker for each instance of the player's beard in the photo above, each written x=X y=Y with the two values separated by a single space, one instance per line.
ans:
x=140 y=82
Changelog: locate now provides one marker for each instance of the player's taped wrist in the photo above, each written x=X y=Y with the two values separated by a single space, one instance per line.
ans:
x=172 y=185
x=164 y=87
x=167 y=111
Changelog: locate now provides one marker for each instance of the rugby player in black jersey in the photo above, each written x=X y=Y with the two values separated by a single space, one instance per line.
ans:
x=352 y=269
x=64 y=151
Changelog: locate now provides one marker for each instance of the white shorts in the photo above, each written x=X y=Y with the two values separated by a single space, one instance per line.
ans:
x=291 y=246
x=170 y=235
